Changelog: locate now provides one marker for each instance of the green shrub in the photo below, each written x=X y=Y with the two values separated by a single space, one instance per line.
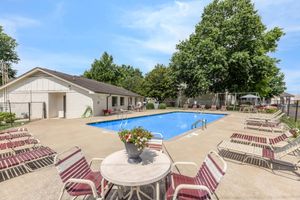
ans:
x=162 y=106
x=290 y=122
x=271 y=110
x=7 y=117
x=150 y=106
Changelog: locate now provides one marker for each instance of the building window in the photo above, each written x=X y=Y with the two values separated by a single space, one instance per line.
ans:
x=114 y=101
x=122 y=103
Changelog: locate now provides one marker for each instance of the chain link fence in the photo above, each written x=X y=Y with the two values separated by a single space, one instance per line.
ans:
x=292 y=109
x=25 y=110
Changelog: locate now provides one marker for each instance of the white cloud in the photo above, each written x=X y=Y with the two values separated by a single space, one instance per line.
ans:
x=157 y=30
x=12 y=23
x=165 y=26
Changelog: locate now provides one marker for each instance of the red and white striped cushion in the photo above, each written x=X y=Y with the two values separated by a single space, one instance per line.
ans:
x=73 y=166
x=155 y=144
x=210 y=174
x=249 y=138
x=15 y=135
x=22 y=129
x=27 y=156
x=76 y=166
x=278 y=139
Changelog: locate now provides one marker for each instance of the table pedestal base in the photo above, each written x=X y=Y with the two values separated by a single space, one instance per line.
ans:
x=136 y=189
x=139 y=193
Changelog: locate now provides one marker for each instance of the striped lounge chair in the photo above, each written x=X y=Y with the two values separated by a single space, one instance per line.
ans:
x=77 y=177
x=266 y=117
x=202 y=107
x=258 y=140
x=203 y=185
x=273 y=125
x=224 y=108
x=14 y=135
x=24 y=158
x=213 y=107
x=273 y=120
x=13 y=130
x=11 y=146
x=261 y=153
x=156 y=143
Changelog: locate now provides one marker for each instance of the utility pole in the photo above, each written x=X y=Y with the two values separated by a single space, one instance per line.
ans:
x=4 y=70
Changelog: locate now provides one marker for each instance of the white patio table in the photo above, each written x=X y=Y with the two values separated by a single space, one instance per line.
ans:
x=154 y=166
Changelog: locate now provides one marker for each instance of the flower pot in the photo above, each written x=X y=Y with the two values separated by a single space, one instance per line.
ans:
x=133 y=153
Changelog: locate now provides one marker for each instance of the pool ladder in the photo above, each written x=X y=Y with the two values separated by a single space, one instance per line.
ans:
x=123 y=117
x=203 y=121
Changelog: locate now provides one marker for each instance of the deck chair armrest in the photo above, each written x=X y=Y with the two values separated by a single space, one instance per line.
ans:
x=96 y=159
x=84 y=181
x=183 y=163
x=190 y=187
x=221 y=159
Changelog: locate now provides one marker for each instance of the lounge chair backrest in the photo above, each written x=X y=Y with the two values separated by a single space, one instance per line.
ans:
x=14 y=130
x=278 y=116
x=210 y=172
x=288 y=148
x=73 y=165
x=276 y=113
x=278 y=139
x=156 y=143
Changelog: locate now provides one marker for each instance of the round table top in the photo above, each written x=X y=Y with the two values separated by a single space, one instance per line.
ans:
x=154 y=166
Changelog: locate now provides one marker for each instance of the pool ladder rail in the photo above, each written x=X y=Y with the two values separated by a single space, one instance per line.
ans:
x=123 y=117
x=203 y=121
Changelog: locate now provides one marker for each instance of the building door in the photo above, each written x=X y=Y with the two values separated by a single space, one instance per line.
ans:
x=64 y=105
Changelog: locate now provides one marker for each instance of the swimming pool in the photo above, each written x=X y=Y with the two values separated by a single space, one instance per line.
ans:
x=169 y=124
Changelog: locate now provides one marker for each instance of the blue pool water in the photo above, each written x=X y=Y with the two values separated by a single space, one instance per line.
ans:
x=169 y=124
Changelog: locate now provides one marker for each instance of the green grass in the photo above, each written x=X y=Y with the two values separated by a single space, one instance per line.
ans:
x=290 y=122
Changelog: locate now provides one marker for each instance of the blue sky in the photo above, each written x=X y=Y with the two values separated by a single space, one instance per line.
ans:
x=67 y=35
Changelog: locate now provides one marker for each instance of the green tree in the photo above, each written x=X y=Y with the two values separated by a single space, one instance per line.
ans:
x=126 y=76
x=229 y=51
x=103 y=70
x=160 y=83
x=8 y=53
x=130 y=78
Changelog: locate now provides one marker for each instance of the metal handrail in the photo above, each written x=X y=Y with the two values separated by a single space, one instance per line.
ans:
x=204 y=123
x=122 y=118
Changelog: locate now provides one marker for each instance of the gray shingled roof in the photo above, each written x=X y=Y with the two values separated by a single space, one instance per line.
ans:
x=92 y=85
x=285 y=94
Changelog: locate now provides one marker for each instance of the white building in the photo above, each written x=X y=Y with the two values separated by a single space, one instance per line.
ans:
x=50 y=94
x=283 y=98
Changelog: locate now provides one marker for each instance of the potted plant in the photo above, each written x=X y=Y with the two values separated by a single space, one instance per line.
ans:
x=135 y=141
x=106 y=111
x=294 y=132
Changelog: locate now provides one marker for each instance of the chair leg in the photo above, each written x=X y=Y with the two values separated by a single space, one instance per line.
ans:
x=61 y=193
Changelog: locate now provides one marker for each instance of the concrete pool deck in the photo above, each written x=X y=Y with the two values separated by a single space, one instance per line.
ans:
x=242 y=181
